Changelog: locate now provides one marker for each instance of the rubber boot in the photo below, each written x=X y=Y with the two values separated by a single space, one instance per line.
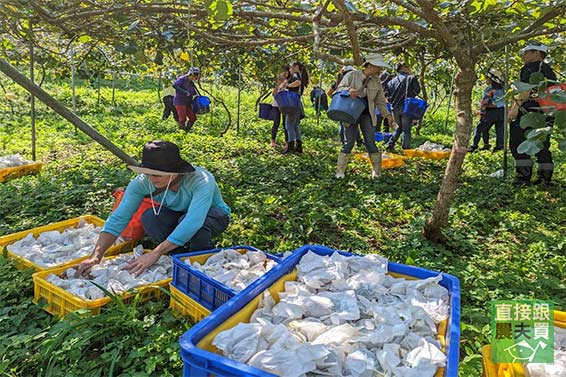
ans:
x=375 y=159
x=342 y=164
x=299 y=147
x=523 y=175
x=290 y=148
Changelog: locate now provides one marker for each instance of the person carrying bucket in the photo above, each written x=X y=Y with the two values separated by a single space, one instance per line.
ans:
x=364 y=84
x=185 y=91
x=330 y=92
x=279 y=85
x=404 y=85
x=297 y=82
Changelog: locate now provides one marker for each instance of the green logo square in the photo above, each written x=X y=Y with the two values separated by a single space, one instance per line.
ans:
x=522 y=331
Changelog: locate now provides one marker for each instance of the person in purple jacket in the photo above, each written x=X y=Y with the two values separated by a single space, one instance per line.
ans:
x=185 y=90
x=191 y=211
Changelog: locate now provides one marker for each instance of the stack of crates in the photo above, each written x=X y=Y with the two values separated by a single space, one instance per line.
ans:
x=202 y=359
x=193 y=293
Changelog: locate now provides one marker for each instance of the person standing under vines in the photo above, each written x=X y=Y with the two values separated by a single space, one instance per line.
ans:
x=297 y=83
x=185 y=91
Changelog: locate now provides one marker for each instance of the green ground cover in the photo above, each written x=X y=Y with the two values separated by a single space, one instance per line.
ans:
x=503 y=243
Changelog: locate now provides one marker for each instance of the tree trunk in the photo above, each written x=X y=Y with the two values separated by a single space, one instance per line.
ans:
x=464 y=82
x=44 y=97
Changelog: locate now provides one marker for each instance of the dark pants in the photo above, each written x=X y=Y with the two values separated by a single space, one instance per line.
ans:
x=169 y=108
x=276 y=123
x=351 y=131
x=523 y=162
x=158 y=228
x=405 y=123
x=342 y=134
x=492 y=117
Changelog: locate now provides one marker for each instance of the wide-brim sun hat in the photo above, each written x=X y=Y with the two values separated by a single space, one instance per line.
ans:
x=162 y=158
x=534 y=45
x=376 y=59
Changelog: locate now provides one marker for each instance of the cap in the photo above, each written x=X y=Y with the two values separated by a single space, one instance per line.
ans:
x=534 y=45
x=194 y=71
x=347 y=68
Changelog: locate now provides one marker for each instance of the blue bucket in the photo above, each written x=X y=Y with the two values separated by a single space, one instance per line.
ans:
x=201 y=105
x=344 y=108
x=288 y=102
x=389 y=108
x=383 y=136
x=265 y=111
x=415 y=107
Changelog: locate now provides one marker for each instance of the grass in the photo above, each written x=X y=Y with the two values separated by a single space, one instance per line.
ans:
x=502 y=243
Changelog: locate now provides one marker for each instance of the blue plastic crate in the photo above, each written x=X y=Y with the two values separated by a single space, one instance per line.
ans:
x=199 y=286
x=201 y=362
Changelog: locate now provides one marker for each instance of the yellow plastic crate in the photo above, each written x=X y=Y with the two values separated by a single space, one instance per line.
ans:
x=491 y=369
x=184 y=306
x=386 y=163
x=244 y=315
x=19 y=171
x=60 y=226
x=61 y=302
x=430 y=155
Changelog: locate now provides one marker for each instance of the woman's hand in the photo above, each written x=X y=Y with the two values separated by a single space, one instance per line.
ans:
x=83 y=269
x=143 y=262
x=354 y=93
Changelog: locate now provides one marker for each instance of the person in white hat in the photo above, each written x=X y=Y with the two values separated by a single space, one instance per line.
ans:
x=330 y=92
x=366 y=85
x=533 y=55
x=190 y=210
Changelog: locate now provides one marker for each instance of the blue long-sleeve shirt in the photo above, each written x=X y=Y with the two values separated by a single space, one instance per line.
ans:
x=198 y=192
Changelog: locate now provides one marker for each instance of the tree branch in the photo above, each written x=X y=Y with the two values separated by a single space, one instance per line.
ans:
x=503 y=42
x=348 y=20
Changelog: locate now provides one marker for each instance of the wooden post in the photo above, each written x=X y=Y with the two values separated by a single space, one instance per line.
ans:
x=47 y=99
x=113 y=88
x=239 y=96
x=159 y=85
x=73 y=96
x=32 y=99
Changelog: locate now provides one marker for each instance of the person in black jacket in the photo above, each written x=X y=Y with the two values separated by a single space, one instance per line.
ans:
x=533 y=58
x=404 y=85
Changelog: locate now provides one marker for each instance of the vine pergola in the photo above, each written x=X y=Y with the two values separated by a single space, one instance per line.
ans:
x=149 y=33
